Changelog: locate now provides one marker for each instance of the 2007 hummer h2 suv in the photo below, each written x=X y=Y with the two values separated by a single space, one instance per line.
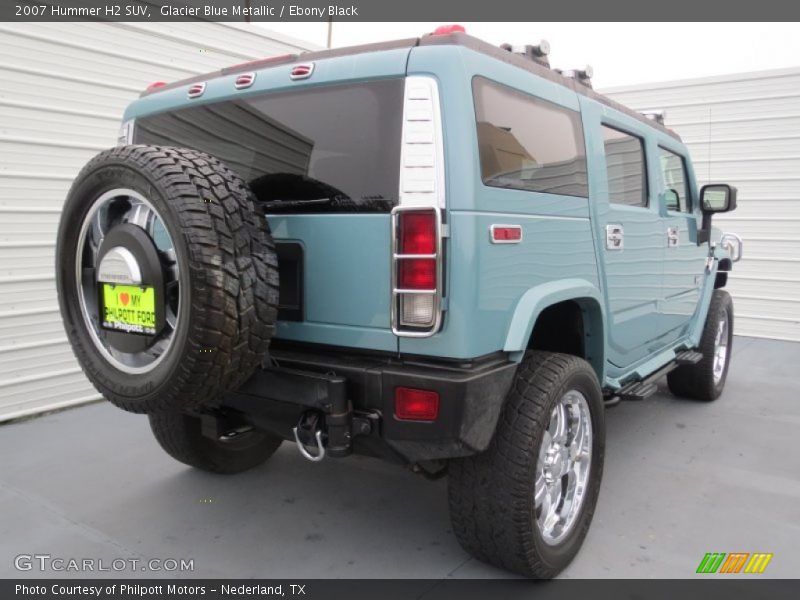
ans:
x=434 y=251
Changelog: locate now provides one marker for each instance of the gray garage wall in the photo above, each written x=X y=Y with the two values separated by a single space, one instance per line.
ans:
x=63 y=90
x=744 y=129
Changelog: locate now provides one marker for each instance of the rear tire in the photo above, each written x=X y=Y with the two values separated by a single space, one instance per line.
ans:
x=495 y=504
x=181 y=437
x=706 y=379
x=227 y=277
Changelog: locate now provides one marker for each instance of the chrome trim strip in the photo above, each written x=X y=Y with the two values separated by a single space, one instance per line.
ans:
x=420 y=292
x=421 y=256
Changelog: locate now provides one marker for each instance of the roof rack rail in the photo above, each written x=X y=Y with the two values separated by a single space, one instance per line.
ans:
x=655 y=115
x=537 y=53
x=583 y=76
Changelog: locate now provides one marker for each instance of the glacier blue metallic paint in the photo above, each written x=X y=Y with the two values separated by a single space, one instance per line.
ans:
x=640 y=305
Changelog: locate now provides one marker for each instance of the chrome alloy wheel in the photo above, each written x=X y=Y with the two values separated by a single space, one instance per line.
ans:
x=113 y=208
x=720 y=348
x=562 y=470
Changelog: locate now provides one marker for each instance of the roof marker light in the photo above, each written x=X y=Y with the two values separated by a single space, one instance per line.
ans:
x=196 y=90
x=448 y=29
x=303 y=71
x=155 y=85
x=245 y=80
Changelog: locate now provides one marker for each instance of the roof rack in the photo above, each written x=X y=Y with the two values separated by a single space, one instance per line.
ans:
x=537 y=53
x=655 y=115
x=583 y=76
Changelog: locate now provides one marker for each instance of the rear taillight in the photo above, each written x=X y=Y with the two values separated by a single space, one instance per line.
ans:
x=417 y=269
x=417 y=230
x=416 y=405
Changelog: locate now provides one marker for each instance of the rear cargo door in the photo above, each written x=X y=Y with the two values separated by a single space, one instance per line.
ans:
x=322 y=154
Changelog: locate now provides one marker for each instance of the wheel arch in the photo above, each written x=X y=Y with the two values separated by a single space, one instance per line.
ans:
x=556 y=300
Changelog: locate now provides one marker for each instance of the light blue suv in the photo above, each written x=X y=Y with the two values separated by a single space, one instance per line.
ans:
x=433 y=251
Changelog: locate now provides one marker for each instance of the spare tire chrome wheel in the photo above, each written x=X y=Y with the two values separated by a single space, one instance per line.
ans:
x=112 y=208
x=167 y=278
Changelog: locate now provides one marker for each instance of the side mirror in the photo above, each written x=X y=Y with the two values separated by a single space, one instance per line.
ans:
x=717 y=197
x=714 y=198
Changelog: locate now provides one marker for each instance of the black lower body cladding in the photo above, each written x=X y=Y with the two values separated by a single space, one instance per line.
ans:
x=471 y=396
x=218 y=266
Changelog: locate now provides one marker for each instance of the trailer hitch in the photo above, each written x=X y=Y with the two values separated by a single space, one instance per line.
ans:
x=309 y=431
x=327 y=424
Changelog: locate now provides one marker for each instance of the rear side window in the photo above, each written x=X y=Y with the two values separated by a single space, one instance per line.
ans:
x=625 y=166
x=673 y=172
x=527 y=143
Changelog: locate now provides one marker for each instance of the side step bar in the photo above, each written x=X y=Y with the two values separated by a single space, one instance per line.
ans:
x=688 y=357
x=639 y=390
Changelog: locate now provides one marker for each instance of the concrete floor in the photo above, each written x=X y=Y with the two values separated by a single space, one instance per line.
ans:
x=681 y=479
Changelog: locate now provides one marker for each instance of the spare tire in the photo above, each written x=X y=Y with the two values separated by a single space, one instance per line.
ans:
x=167 y=277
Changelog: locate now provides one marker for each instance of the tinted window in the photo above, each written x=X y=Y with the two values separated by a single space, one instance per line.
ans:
x=676 y=190
x=627 y=179
x=527 y=143
x=331 y=148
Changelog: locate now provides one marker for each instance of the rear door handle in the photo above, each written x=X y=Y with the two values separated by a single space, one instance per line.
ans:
x=672 y=237
x=615 y=236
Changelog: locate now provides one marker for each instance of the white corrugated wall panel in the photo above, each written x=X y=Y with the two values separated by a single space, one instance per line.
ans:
x=745 y=129
x=64 y=88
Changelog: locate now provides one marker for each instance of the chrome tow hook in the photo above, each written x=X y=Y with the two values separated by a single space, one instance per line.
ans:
x=309 y=423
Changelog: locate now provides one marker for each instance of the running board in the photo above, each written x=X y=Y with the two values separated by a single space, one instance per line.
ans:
x=688 y=357
x=639 y=390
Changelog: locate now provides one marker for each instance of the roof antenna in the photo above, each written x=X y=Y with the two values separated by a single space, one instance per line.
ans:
x=536 y=53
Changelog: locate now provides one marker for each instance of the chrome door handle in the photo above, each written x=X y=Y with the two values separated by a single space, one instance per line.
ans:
x=672 y=237
x=615 y=236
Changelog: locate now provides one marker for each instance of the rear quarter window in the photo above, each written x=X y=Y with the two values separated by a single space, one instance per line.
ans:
x=625 y=167
x=527 y=143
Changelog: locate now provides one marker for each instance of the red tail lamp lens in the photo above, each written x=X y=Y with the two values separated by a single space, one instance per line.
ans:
x=417 y=274
x=155 y=85
x=416 y=405
x=418 y=233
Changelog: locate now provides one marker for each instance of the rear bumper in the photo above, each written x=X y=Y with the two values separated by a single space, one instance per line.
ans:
x=302 y=379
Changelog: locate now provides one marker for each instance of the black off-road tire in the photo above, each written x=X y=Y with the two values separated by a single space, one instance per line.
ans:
x=180 y=436
x=228 y=276
x=696 y=382
x=492 y=494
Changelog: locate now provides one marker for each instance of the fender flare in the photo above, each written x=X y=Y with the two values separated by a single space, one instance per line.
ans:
x=538 y=298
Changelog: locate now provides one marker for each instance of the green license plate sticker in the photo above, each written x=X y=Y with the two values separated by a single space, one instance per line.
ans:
x=129 y=308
